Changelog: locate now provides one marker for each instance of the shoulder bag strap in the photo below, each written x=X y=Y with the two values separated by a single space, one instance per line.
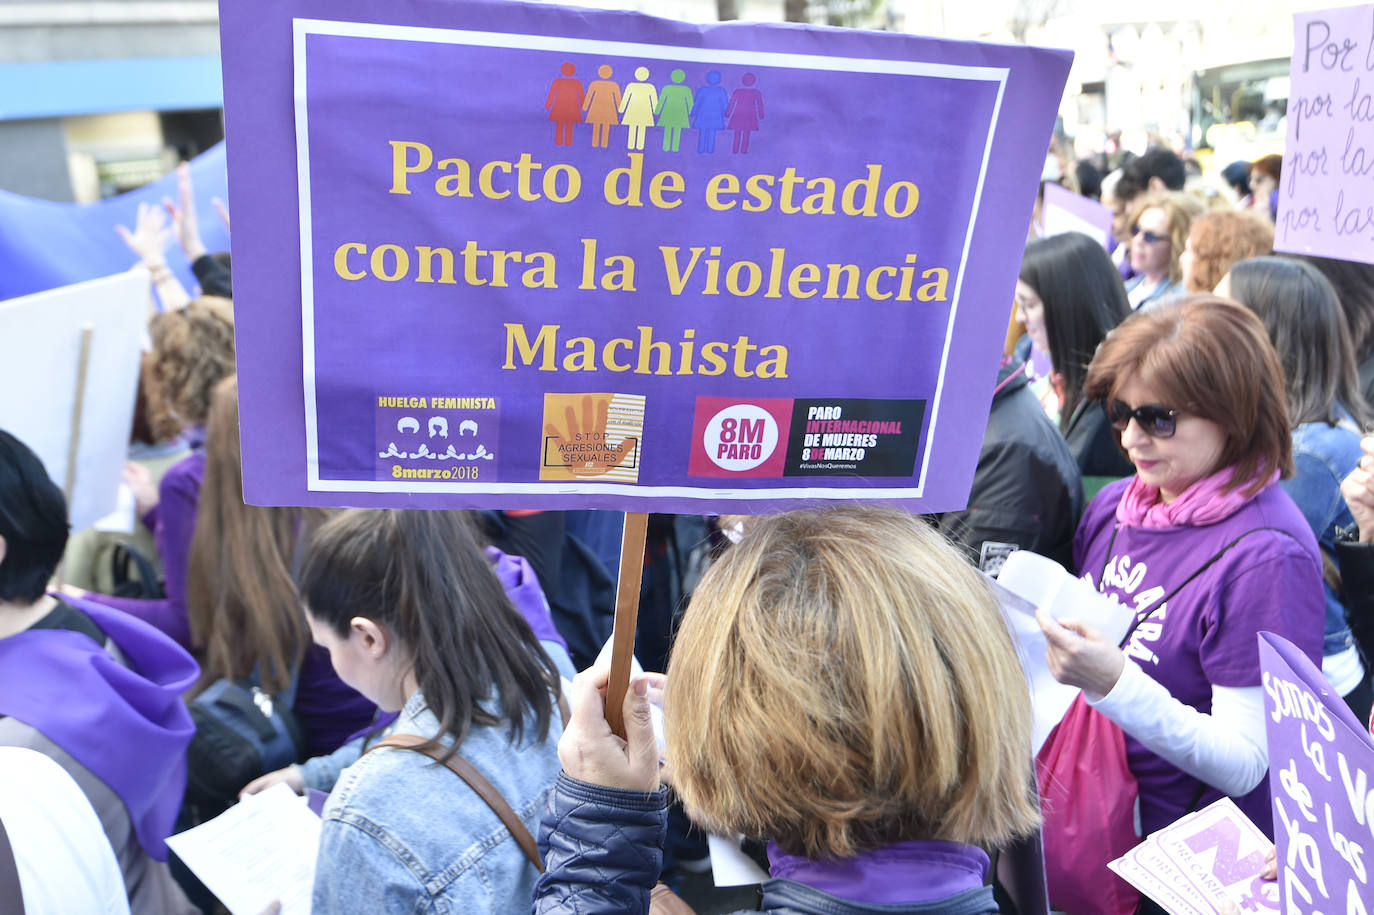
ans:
x=1179 y=587
x=11 y=896
x=478 y=783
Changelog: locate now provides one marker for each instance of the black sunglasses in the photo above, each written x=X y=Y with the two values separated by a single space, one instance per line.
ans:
x=1150 y=237
x=1156 y=422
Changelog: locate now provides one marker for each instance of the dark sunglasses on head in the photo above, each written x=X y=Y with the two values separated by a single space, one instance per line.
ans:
x=1156 y=422
x=1150 y=237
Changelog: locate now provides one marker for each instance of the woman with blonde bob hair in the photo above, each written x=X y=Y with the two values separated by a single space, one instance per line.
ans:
x=844 y=685
x=1200 y=548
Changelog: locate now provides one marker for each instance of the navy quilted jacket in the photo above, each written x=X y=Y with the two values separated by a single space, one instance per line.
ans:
x=603 y=849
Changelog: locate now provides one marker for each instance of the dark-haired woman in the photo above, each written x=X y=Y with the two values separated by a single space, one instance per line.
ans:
x=1069 y=297
x=1200 y=548
x=1300 y=311
x=416 y=620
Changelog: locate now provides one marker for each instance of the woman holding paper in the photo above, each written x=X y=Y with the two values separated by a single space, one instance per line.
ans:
x=1200 y=547
x=844 y=685
x=415 y=619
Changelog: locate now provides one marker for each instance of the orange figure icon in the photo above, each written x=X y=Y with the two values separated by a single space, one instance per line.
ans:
x=637 y=108
x=602 y=106
x=565 y=105
x=744 y=113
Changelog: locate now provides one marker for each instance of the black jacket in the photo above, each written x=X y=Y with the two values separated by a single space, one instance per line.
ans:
x=1027 y=492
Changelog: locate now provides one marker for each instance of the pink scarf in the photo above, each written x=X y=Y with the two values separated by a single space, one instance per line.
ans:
x=1202 y=503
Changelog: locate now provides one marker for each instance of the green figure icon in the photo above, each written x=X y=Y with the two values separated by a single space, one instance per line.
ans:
x=601 y=105
x=674 y=110
x=637 y=107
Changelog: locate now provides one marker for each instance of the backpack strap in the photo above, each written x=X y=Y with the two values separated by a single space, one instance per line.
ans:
x=478 y=783
x=11 y=895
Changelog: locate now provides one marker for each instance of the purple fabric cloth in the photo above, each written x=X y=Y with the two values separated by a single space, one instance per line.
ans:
x=1206 y=635
x=903 y=872
x=127 y=725
x=330 y=711
x=522 y=587
x=173 y=522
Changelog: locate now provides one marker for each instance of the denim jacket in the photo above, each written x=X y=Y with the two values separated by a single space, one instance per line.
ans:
x=1323 y=455
x=404 y=835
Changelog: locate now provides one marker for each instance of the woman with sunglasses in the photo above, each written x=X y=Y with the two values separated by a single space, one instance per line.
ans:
x=1159 y=232
x=1202 y=551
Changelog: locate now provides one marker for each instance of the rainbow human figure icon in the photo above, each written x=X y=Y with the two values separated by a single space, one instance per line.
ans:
x=708 y=112
x=637 y=107
x=602 y=106
x=565 y=104
x=744 y=113
x=674 y=110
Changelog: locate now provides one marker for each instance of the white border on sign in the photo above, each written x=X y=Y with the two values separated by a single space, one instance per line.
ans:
x=303 y=27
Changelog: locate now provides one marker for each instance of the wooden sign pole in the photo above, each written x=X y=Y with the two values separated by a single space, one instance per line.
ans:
x=83 y=366
x=626 y=618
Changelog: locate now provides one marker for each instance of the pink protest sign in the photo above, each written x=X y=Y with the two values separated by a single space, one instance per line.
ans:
x=1321 y=778
x=1326 y=197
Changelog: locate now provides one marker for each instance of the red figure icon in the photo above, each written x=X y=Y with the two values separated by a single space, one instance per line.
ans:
x=565 y=105
x=744 y=113
x=602 y=106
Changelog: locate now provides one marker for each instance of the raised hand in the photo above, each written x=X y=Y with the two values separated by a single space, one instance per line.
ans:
x=582 y=445
x=184 y=215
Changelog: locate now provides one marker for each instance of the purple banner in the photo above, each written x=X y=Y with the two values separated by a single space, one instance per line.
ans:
x=1321 y=777
x=523 y=256
x=1326 y=198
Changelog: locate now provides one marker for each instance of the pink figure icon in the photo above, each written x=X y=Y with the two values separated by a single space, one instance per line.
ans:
x=565 y=105
x=602 y=106
x=744 y=113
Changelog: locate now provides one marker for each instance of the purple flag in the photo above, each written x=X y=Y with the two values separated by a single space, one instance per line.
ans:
x=519 y=256
x=1321 y=778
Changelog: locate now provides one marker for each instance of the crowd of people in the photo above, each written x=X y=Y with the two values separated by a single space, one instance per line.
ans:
x=841 y=686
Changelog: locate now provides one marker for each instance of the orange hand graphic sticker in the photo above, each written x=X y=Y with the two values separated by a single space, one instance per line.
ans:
x=592 y=436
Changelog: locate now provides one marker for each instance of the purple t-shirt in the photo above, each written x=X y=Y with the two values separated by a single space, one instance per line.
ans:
x=1206 y=635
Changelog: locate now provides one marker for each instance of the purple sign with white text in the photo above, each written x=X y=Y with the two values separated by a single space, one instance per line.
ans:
x=518 y=256
x=1321 y=778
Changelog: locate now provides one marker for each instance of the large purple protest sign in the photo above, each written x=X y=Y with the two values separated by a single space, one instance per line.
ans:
x=517 y=255
x=1326 y=198
x=1321 y=778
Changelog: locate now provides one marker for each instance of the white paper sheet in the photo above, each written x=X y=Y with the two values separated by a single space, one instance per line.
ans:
x=1028 y=581
x=730 y=866
x=260 y=850
x=121 y=520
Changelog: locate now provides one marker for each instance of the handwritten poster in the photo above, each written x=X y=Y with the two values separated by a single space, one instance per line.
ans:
x=1321 y=778
x=1326 y=196
x=508 y=255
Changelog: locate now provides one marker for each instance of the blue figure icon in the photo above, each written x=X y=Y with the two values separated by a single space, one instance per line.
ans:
x=708 y=112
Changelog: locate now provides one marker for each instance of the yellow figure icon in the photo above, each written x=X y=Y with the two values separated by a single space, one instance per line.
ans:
x=637 y=108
